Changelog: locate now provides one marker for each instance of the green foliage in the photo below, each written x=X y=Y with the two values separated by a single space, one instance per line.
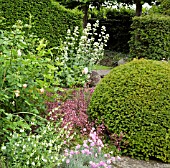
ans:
x=150 y=37
x=29 y=72
x=134 y=99
x=43 y=148
x=75 y=3
x=25 y=78
x=163 y=8
x=50 y=20
x=12 y=122
x=117 y=23
x=24 y=72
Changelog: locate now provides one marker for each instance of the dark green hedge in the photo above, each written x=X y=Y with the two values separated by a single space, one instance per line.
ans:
x=50 y=20
x=150 y=37
x=134 y=98
x=164 y=7
x=117 y=25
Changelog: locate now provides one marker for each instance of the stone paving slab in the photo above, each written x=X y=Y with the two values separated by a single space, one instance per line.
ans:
x=127 y=162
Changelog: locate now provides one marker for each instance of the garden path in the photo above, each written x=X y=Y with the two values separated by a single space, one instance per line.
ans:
x=127 y=162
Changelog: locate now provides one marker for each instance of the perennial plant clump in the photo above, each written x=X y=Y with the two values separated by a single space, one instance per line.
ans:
x=89 y=154
x=79 y=52
x=73 y=108
x=26 y=75
x=30 y=76
x=39 y=149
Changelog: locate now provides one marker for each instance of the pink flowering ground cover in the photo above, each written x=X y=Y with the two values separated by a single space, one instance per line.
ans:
x=89 y=154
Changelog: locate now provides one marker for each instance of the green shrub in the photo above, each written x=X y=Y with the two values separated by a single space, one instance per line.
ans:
x=134 y=99
x=165 y=4
x=50 y=20
x=150 y=37
x=25 y=75
x=25 y=78
x=163 y=8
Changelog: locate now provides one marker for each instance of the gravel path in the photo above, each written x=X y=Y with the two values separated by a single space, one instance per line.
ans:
x=102 y=72
x=127 y=162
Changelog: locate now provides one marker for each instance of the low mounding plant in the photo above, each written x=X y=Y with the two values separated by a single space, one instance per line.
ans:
x=73 y=108
x=134 y=99
x=42 y=147
x=89 y=154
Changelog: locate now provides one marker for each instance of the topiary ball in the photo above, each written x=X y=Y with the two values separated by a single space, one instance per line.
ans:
x=134 y=98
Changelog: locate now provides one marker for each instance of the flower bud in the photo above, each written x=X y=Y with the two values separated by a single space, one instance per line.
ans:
x=85 y=71
x=17 y=93
x=19 y=52
x=42 y=90
x=24 y=85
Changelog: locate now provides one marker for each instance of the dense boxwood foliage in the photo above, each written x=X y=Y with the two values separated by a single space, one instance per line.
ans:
x=150 y=37
x=117 y=23
x=164 y=7
x=49 y=19
x=134 y=99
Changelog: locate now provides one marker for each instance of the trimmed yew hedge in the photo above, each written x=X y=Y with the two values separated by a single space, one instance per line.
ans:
x=117 y=23
x=150 y=37
x=134 y=98
x=164 y=7
x=49 y=19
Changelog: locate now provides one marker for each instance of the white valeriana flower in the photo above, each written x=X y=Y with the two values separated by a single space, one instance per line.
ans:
x=21 y=130
x=104 y=28
x=13 y=103
x=42 y=90
x=88 y=24
x=17 y=93
x=68 y=31
x=83 y=37
x=19 y=52
x=85 y=70
x=24 y=85
x=96 y=44
x=43 y=159
x=33 y=163
x=3 y=148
